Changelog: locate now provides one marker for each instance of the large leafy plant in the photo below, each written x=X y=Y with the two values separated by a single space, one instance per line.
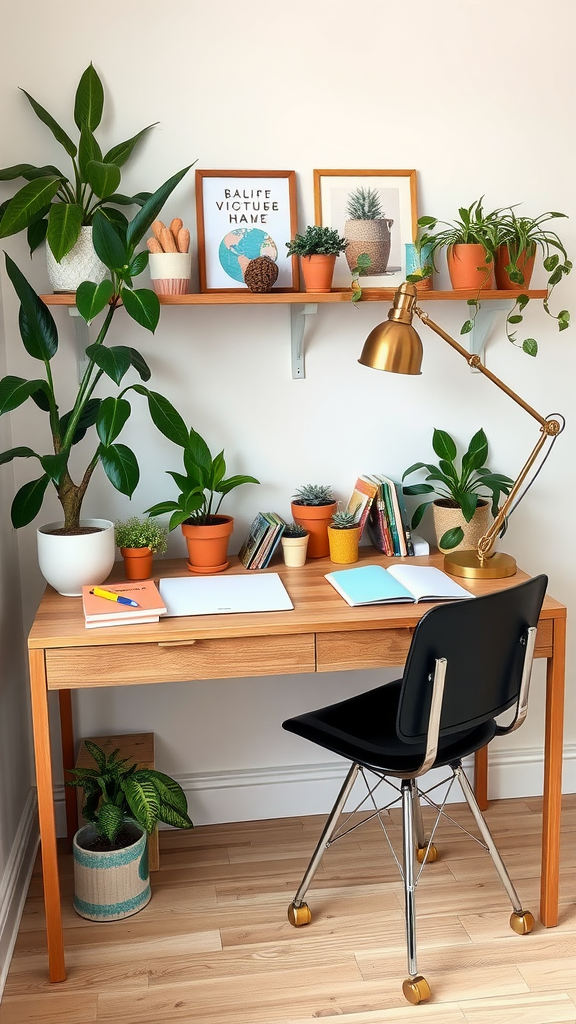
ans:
x=203 y=485
x=116 y=244
x=461 y=488
x=117 y=791
x=55 y=205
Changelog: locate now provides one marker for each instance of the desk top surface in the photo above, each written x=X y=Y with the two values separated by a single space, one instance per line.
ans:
x=318 y=608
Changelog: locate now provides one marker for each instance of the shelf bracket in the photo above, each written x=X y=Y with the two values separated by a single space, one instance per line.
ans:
x=483 y=325
x=298 y=314
x=82 y=333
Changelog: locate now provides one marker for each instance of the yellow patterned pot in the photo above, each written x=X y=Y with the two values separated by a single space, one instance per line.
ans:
x=343 y=544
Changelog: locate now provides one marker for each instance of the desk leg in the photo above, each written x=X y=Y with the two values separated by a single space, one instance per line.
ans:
x=40 y=724
x=481 y=777
x=552 y=803
x=67 y=734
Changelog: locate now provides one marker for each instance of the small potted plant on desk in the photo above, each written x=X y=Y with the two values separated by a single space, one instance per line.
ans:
x=139 y=540
x=344 y=536
x=313 y=506
x=462 y=509
x=202 y=488
x=317 y=248
x=123 y=805
x=294 y=542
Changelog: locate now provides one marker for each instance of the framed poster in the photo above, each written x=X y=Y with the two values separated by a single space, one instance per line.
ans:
x=376 y=211
x=242 y=215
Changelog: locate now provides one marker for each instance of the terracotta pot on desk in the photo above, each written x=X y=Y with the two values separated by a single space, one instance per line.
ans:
x=137 y=563
x=315 y=520
x=208 y=545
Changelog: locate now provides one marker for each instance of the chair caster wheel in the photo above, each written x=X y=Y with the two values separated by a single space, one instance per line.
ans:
x=426 y=853
x=522 y=923
x=416 y=990
x=299 y=916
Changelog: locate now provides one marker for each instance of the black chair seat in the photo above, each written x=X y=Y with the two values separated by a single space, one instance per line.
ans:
x=363 y=729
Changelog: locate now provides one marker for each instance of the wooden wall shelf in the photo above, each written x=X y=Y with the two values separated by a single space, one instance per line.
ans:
x=304 y=304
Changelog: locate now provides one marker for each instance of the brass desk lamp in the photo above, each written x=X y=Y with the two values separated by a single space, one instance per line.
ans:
x=395 y=346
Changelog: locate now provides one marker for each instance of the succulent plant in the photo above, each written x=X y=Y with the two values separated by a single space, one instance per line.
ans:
x=364 y=204
x=294 y=530
x=345 y=519
x=314 y=494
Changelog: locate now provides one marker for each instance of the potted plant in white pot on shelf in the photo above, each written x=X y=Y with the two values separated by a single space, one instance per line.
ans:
x=202 y=488
x=61 y=545
x=317 y=248
x=294 y=541
x=139 y=540
x=61 y=207
x=123 y=805
x=313 y=506
x=465 y=497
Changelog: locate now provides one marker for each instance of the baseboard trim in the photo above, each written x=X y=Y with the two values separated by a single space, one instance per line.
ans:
x=247 y=794
x=15 y=882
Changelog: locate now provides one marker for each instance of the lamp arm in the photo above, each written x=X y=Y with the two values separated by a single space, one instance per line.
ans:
x=549 y=428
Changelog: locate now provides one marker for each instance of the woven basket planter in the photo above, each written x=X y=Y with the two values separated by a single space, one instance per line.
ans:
x=369 y=236
x=447 y=517
x=110 y=885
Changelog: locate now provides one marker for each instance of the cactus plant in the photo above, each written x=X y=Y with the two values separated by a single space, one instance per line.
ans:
x=364 y=204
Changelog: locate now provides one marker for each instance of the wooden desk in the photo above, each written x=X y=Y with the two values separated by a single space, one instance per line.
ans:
x=321 y=634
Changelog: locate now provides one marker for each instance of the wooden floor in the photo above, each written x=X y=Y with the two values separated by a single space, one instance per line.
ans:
x=214 y=944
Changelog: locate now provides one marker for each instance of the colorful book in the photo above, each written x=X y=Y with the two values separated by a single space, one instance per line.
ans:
x=373 y=584
x=256 y=534
x=271 y=540
x=379 y=528
x=361 y=499
x=102 y=611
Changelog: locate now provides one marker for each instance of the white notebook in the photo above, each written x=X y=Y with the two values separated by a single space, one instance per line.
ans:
x=214 y=595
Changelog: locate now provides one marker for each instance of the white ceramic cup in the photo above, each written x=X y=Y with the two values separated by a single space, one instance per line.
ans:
x=170 y=272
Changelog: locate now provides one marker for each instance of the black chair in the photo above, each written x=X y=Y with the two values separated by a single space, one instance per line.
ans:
x=468 y=663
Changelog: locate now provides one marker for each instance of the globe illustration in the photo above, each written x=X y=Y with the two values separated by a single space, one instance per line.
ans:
x=240 y=246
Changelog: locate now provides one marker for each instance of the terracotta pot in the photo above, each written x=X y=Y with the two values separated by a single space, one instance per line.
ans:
x=294 y=550
x=315 y=519
x=468 y=268
x=446 y=517
x=208 y=545
x=318 y=272
x=137 y=563
x=343 y=544
x=525 y=266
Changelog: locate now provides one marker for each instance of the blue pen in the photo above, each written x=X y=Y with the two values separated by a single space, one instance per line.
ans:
x=111 y=596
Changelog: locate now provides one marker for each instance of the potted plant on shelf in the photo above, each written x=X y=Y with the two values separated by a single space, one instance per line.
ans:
x=465 y=498
x=139 y=540
x=470 y=242
x=367 y=229
x=294 y=542
x=519 y=240
x=313 y=506
x=123 y=805
x=317 y=248
x=61 y=208
x=344 y=535
x=203 y=487
x=116 y=244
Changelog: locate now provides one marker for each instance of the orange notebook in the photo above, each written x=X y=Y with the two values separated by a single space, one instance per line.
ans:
x=101 y=611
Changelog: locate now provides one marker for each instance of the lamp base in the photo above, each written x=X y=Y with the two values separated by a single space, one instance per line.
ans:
x=467 y=563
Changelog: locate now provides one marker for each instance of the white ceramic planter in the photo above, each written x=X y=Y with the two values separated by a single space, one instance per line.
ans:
x=80 y=264
x=110 y=885
x=170 y=272
x=294 y=550
x=68 y=563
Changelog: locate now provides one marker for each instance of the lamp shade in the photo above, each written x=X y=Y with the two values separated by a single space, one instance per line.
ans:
x=393 y=346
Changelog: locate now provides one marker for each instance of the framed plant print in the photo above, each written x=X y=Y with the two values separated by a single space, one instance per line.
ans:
x=240 y=216
x=376 y=211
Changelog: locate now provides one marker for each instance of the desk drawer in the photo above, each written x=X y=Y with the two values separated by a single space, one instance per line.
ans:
x=363 y=648
x=130 y=664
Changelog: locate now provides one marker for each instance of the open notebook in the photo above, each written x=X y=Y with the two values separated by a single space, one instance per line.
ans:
x=212 y=595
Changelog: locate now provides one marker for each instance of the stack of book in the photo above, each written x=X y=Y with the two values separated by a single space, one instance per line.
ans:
x=146 y=604
x=262 y=540
x=384 y=513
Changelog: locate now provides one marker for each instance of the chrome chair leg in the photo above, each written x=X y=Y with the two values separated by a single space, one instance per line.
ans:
x=521 y=921
x=298 y=911
x=415 y=987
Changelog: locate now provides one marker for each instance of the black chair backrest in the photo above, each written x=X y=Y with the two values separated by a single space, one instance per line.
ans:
x=483 y=641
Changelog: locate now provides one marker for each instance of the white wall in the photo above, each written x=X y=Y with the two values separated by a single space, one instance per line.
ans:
x=477 y=98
